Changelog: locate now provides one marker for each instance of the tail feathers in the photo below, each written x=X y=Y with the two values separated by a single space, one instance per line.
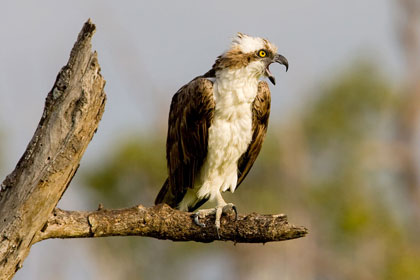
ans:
x=165 y=196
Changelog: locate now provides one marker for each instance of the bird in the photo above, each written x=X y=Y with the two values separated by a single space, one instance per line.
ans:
x=216 y=126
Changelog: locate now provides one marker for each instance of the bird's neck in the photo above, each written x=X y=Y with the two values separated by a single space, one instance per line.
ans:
x=236 y=85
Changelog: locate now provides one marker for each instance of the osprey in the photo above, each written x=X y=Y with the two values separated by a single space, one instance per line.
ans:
x=217 y=124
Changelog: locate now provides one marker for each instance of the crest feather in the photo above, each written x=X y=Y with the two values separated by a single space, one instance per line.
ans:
x=248 y=44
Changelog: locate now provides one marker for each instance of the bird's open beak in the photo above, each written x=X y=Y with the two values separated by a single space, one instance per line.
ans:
x=279 y=59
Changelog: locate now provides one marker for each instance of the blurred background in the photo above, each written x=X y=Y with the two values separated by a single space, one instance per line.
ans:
x=342 y=154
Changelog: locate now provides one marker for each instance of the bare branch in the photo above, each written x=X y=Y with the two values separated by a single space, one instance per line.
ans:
x=163 y=222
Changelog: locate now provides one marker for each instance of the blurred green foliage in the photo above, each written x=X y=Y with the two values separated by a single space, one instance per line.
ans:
x=323 y=169
x=350 y=107
x=131 y=174
x=348 y=114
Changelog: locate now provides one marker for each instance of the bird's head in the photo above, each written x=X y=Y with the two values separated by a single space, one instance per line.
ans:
x=253 y=53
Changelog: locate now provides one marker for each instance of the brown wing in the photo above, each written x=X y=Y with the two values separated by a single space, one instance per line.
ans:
x=190 y=116
x=260 y=114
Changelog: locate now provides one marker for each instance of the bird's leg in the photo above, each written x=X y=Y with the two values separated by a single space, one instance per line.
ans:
x=221 y=207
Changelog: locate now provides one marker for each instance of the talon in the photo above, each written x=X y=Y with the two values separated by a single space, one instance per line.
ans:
x=218 y=211
x=236 y=212
x=233 y=207
x=196 y=221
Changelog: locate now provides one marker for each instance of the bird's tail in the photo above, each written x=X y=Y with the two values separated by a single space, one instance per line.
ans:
x=165 y=196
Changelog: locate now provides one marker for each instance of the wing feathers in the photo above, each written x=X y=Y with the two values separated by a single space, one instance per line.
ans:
x=260 y=115
x=190 y=116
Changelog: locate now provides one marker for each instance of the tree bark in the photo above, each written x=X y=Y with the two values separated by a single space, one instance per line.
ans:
x=163 y=222
x=29 y=195
x=73 y=109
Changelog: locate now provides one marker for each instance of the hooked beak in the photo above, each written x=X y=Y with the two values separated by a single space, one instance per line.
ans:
x=279 y=59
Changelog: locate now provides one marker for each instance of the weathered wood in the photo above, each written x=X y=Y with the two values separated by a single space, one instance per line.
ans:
x=73 y=109
x=163 y=222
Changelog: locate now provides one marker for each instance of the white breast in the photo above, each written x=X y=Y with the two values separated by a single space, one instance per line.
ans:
x=230 y=132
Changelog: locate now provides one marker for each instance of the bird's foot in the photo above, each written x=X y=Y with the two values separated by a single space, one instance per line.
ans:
x=217 y=211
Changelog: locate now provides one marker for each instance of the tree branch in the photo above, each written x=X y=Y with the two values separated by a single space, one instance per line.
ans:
x=163 y=222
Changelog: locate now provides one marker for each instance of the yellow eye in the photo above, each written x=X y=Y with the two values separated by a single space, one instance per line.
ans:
x=262 y=53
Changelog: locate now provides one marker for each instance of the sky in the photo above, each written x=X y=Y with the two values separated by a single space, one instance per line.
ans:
x=149 y=49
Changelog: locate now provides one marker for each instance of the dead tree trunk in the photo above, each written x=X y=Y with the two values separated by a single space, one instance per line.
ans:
x=73 y=109
x=29 y=195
